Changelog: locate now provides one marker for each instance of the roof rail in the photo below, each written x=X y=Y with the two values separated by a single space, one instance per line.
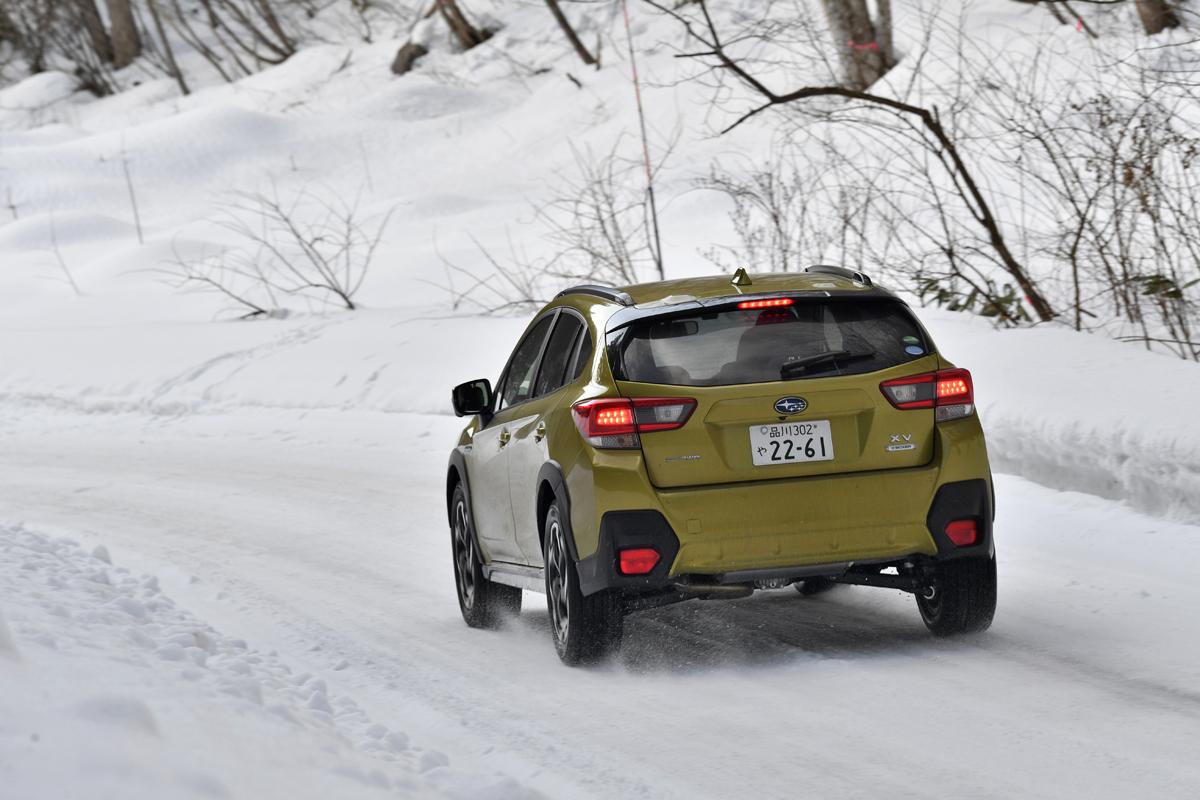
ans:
x=841 y=272
x=607 y=292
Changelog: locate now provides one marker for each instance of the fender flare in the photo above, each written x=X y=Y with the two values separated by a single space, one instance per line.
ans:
x=551 y=474
x=458 y=464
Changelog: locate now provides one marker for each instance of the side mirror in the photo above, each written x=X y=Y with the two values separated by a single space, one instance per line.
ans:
x=472 y=397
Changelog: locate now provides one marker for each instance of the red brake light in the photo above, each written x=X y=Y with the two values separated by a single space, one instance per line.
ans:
x=612 y=419
x=773 y=302
x=950 y=391
x=616 y=422
x=638 y=560
x=954 y=386
x=962 y=532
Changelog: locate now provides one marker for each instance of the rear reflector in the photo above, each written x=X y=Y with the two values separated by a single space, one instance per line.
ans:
x=615 y=423
x=638 y=561
x=773 y=302
x=962 y=532
x=949 y=391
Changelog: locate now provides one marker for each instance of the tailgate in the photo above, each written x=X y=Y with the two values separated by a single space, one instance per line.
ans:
x=742 y=432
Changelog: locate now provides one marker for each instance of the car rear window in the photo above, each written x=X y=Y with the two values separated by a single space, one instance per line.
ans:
x=809 y=339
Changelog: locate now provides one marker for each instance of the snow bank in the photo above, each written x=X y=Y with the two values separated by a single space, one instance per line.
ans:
x=120 y=693
x=1068 y=410
x=1082 y=412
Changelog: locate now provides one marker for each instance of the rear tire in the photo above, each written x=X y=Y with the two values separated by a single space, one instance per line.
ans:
x=964 y=597
x=585 y=629
x=483 y=604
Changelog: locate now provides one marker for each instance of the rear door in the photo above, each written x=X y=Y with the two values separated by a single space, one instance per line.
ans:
x=529 y=450
x=782 y=391
x=487 y=463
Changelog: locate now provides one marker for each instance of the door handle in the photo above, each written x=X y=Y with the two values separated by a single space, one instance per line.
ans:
x=504 y=436
x=539 y=432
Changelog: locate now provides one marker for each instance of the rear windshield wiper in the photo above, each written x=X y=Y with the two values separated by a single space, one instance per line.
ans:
x=799 y=366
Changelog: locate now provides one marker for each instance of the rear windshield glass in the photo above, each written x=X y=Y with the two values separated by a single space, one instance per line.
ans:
x=810 y=339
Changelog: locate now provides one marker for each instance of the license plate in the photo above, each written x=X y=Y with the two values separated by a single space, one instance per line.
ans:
x=791 y=442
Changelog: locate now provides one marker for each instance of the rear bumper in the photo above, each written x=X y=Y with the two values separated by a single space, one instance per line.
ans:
x=759 y=549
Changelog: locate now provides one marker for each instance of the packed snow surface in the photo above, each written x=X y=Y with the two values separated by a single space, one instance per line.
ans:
x=317 y=536
x=224 y=564
x=110 y=686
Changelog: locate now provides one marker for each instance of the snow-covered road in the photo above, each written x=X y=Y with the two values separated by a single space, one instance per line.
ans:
x=321 y=535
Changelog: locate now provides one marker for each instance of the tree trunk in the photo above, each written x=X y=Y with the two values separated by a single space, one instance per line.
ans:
x=466 y=33
x=859 y=49
x=89 y=17
x=407 y=56
x=1157 y=15
x=126 y=41
x=569 y=32
x=883 y=28
x=168 y=52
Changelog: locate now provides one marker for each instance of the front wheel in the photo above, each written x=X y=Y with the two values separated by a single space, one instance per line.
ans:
x=961 y=598
x=483 y=604
x=585 y=629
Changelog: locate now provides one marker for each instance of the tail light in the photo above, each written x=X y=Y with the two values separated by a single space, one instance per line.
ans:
x=637 y=560
x=618 y=422
x=949 y=392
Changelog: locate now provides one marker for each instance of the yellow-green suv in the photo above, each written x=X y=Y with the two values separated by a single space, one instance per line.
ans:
x=702 y=438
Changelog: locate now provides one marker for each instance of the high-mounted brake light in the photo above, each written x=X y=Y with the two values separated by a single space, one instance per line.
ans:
x=615 y=423
x=773 y=302
x=637 y=560
x=950 y=392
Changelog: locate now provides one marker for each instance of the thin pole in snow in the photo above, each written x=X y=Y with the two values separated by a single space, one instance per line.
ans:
x=656 y=251
x=137 y=217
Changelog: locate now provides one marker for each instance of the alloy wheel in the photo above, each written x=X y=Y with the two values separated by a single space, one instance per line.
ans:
x=464 y=556
x=556 y=581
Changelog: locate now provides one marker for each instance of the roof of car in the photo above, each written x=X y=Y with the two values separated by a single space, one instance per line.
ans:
x=760 y=283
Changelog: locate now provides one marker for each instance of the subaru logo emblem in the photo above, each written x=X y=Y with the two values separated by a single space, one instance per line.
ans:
x=790 y=405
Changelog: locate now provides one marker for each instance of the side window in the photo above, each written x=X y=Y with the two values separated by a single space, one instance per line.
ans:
x=552 y=373
x=583 y=357
x=518 y=381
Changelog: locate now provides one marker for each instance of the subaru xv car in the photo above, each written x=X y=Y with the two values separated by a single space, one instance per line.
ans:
x=707 y=437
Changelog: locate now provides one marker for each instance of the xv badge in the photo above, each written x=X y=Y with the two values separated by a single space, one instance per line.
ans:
x=901 y=442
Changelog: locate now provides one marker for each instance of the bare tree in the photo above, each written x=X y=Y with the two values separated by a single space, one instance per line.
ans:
x=599 y=223
x=584 y=55
x=70 y=37
x=315 y=246
x=598 y=226
x=1157 y=15
x=864 y=46
x=126 y=41
x=933 y=135
x=468 y=35
x=31 y=25
x=88 y=15
x=168 y=51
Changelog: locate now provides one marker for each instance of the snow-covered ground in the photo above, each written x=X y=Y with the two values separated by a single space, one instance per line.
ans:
x=316 y=536
x=224 y=567
x=118 y=691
